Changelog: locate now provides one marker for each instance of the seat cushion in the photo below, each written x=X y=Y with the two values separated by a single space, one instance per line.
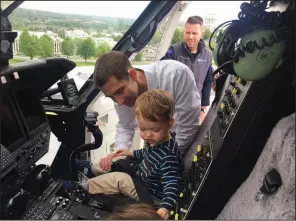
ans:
x=278 y=153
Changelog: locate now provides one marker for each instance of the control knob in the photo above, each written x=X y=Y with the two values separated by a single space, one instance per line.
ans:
x=29 y=157
x=220 y=114
x=225 y=107
x=223 y=125
x=236 y=91
x=232 y=84
x=241 y=81
x=228 y=92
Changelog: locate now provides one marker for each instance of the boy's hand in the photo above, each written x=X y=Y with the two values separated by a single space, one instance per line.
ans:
x=163 y=213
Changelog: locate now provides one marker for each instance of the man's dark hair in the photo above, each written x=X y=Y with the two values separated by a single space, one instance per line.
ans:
x=194 y=20
x=110 y=64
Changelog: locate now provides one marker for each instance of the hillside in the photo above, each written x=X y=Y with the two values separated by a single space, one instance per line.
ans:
x=36 y=20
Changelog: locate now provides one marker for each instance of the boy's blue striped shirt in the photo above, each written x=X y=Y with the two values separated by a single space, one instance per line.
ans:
x=160 y=168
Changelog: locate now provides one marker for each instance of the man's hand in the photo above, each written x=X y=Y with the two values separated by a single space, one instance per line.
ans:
x=203 y=113
x=202 y=116
x=106 y=162
x=163 y=213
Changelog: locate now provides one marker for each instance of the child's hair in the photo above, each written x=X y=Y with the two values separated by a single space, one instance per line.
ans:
x=156 y=105
x=137 y=211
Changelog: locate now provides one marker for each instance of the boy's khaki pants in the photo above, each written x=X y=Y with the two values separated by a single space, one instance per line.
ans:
x=111 y=183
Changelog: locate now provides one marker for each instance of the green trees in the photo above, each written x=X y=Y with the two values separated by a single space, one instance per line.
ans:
x=207 y=34
x=116 y=37
x=68 y=47
x=86 y=49
x=32 y=47
x=156 y=38
x=178 y=35
x=139 y=56
x=29 y=45
x=103 y=48
x=43 y=47
x=46 y=46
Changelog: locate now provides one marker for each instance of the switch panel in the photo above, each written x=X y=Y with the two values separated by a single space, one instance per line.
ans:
x=234 y=95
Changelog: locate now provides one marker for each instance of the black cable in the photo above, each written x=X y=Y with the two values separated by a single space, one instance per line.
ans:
x=221 y=66
x=210 y=40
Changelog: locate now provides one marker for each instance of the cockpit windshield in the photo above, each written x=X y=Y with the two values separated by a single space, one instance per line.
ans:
x=5 y=4
x=79 y=31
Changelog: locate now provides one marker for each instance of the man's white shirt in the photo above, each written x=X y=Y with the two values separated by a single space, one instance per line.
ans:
x=177 y=79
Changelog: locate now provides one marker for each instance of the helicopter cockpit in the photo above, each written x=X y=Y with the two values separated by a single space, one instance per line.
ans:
x=254 y=55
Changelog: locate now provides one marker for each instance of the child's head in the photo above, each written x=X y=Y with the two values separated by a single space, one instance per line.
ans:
x=135 y=212
x=154 y=111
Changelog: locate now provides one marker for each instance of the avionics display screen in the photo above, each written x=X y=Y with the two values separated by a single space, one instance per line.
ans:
x=10 y=130
x=30 y=106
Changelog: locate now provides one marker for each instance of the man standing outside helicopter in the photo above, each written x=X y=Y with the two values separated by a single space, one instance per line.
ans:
x=193 y=53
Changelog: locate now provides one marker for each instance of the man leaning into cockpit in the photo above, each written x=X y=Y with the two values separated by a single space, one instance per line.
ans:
x=117 y=79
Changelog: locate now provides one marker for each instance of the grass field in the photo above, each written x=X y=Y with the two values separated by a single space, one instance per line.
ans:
x=87 y=63
x=15 y=61
x=78 y=63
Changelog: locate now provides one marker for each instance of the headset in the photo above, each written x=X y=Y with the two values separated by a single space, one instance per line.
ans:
x=254 y=45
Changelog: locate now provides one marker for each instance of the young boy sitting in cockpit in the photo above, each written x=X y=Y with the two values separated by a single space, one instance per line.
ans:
x=159 y=163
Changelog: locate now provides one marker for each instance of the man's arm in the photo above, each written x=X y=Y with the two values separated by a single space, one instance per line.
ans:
x=125 y=128
x=170 y=54
x=187 y=107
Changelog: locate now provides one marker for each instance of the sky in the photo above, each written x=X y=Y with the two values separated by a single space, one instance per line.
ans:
x=223 y=10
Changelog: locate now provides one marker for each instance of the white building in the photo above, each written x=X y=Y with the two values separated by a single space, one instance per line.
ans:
x=77 y=33
x=117 y=34
x=54 y=36
x=16 y=43
x=210 y=21
x=100 y=40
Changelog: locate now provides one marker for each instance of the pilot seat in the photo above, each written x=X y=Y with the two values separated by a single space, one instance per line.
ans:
x=248 y=202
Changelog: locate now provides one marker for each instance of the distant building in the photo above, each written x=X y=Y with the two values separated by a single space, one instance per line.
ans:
x=16 y=43
x=77 y=33
x=92 y=33
x=117 y=34
x=100 y=40
x=54 y=36
x=149 y=53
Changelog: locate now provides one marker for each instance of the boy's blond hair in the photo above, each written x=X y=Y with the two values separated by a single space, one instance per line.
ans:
x=156 y=105
x=137 y=211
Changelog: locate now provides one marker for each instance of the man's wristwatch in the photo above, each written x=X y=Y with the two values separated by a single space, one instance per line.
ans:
x=204 y=110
